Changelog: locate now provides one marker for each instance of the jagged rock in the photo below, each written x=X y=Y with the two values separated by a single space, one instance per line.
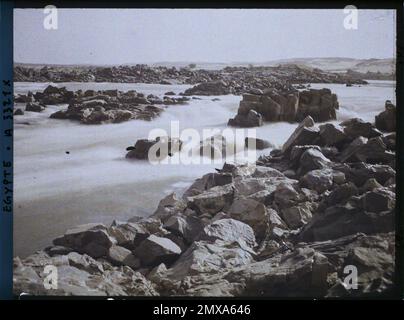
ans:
x=168 y=207
x=386 y=120
x=131 y=234
x=360 y=172
x=294 y=274
x=322 y=180
x=186 y=226
x=348 y=154
x=252 y=213
x=286 y=195
x=205 y=257
x=84 y=262
x=259 y=144
x=213 y=200
x=374 y=151
x=304 y=134
x=251 y=119
x=121 y=256
x=18 y=112
x=34 y=107
x=332 y=135
x=213 y=88
x=320 y=104
x=370 y=185
x=342 y=220
x=154 y=150
x=208 y=181
x=297 y=216
x=312 y=159
x=356 y=127
x=341 y=194
x=155 y=250
x=92 y=239
x=379 y=200
x=229 y=230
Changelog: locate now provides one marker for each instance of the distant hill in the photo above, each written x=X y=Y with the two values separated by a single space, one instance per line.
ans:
x=384 y=66
x=343 y=64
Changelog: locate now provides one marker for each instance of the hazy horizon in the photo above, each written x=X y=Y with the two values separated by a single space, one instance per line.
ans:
x=222 y=36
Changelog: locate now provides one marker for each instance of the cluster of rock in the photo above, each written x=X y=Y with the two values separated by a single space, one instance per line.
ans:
x=214 y=147
x=291 y=106
x=95 y=107
x=164 y=146
x=230 y=80
x=285 y=226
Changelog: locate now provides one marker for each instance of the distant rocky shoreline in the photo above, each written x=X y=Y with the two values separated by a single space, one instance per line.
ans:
x=230 y=80
x=286 y=226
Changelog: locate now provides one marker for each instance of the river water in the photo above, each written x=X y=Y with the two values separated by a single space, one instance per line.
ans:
x=93 y=182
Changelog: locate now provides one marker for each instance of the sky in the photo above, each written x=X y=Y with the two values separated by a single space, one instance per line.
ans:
x=120 y=36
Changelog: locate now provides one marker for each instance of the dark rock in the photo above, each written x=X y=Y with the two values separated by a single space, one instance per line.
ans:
x=312 y=159
x=18 y=112
x=379 y=200
x=252 y=119
x=255 y=143
x=34 y=107
x=304 y=134
x=213 y=88
x=92 y=239
x=332 y=135
x=322 y=179
x=386 y=120
x=356 y=127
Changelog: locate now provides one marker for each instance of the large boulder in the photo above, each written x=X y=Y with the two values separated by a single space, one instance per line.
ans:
x=320 y=104
x=162 y=147
x=34 y=107
x=356 y=127
x=251 y=119
x=229 y=230
x=92 y=239
x=312 y=159
x=213 y=200
x=386 y=120
x=332 y=135
x=187 y=226
x=122 y=257
x=343 y=220
x=155 y=250
x=322 y=179
x=252 y=213
x=304 y=134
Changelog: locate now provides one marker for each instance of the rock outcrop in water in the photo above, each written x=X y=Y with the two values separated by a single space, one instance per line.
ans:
x=96 y=107
x=274 y=105
x=386 y=120
x=285 y=226
x=230 y=80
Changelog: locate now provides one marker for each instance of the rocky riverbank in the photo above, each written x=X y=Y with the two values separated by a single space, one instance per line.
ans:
x=230 y=80
x=96 y=107
x=285 y=226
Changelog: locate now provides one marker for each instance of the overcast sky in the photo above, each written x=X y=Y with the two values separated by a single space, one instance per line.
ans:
x=105 y=36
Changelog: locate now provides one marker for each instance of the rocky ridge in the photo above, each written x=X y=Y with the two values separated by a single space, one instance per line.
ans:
x=230 y=80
